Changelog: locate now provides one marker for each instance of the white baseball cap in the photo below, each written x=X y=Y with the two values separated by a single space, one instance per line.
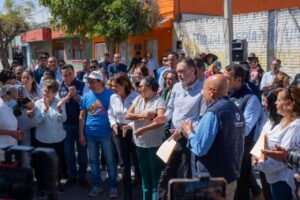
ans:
x=95 y=75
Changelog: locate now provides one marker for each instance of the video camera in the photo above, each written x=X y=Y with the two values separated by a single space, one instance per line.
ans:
x=21 y=105
x=293 y=159
x=16 y=180
x=202 y=188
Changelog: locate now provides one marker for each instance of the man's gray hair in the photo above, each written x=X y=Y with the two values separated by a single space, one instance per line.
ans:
x=7 y=90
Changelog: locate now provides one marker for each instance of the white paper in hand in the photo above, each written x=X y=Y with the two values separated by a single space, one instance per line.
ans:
x=166 y=149
x=259 y=145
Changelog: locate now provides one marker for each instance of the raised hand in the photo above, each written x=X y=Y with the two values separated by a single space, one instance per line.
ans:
x=72 y=91
x=59 y=104
x=46 y=104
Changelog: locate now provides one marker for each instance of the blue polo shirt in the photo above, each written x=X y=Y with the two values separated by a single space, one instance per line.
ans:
x=96 y=106
x=114 y=69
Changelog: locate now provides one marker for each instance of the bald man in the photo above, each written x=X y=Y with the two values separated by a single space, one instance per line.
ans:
x=219 y=137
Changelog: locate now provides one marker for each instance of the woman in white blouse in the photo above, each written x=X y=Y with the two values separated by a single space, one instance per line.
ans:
x=287 y=135
x=49 y=115
x=269 y=119
x=31 y=89
x=119 y=104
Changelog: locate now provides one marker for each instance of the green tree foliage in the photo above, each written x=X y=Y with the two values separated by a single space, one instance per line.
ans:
x=12 y=23
x=112 y=19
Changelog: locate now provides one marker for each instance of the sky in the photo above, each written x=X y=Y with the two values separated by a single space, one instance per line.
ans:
x=39 y=15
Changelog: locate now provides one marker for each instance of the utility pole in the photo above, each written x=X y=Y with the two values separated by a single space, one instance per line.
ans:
x=228 y=30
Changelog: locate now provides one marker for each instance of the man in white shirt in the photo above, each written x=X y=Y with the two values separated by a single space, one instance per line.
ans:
x=171 y=65
x=267 y=79
x=152 y=62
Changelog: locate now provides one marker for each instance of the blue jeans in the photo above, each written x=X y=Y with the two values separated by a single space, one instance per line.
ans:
x=107 y=148
x=281 y=190
x=71 y=139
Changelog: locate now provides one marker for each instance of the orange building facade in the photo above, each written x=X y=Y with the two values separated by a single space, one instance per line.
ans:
x=159 y=41
x=162 y=39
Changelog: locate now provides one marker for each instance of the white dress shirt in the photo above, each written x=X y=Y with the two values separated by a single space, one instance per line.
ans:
x=118 y=109
x=267 y=79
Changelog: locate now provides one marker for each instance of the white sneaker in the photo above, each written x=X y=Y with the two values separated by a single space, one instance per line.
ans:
x=95 y=191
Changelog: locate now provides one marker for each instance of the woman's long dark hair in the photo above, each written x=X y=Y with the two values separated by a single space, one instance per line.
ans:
x=124 y=80
x=271 y=96
x=33 y=86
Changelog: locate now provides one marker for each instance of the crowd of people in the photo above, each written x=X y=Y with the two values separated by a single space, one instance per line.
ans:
x=111 y=116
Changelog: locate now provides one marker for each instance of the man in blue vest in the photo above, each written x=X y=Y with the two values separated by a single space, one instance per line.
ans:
x=247 y=101
x=70 y=92
x=219 y=137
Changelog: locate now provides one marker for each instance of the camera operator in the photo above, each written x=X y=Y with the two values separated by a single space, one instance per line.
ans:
x=9 y=133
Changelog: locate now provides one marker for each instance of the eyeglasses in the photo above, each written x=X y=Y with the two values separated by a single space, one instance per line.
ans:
x=143 y=62
x=94 y=67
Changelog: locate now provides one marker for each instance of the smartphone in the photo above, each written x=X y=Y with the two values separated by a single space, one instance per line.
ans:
x=197 y=189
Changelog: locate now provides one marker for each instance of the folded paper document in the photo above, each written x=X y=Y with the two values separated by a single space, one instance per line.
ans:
x=166 y=149
x=261 y=144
